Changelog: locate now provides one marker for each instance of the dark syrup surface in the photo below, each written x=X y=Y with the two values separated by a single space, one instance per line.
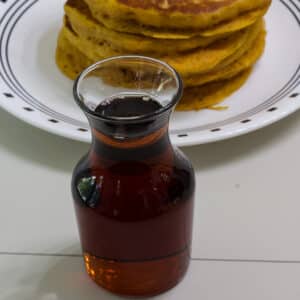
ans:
x=128 y=106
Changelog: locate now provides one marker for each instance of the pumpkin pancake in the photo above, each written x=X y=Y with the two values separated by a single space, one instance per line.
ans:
x=70 y=60
x=211 y=94
x=174 y=19
x=199 y=61
x=88 y=28
x=251 y=56
x=239 y=23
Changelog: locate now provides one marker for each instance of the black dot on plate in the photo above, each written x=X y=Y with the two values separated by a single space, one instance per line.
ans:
x=182 y=135
x=82 y=129
x=272 y=109
x=216 y=130
x=28 y=109
x=53 y=121
x=294 y=95
x=246 y=121
x=8 y=95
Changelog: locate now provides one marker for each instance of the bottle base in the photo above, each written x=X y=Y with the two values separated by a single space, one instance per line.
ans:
x=139 y=279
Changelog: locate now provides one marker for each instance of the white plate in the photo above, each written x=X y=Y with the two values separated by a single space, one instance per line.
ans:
x=33 y=89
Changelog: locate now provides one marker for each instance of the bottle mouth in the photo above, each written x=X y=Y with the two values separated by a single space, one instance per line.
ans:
x=127 y=77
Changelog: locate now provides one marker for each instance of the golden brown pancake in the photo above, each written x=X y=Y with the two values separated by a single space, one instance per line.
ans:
x=212 y=53
x=187 y=64
x=233 y=25
x=251 y=56
x=223 y=28
x=82 y=23
x=216 y=56
x=211 y=94
x=242 y=50
x=72 y=62
x=69 y=60
x=173 y=18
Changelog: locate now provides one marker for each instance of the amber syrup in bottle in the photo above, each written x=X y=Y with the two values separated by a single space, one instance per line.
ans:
x=133 y=195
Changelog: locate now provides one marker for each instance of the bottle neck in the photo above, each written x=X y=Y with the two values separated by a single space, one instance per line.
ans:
x=128 y=142
x=131 y=143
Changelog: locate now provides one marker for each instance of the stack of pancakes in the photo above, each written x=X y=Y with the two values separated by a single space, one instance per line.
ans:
x=213 y=44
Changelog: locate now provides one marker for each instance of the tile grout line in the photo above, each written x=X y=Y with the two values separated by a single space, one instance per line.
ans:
x=39 y=254
x=192 y=259
x=265 y=261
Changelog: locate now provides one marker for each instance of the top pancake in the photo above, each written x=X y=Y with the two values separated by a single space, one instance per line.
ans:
x=176 y=18
x=82 y=22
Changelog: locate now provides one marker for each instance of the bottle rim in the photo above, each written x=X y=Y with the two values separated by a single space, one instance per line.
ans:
x=172 y=103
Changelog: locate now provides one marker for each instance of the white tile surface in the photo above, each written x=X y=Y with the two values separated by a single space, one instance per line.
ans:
x=36 y=212
x=247 y=193
x=63 y=278
x=247 y=208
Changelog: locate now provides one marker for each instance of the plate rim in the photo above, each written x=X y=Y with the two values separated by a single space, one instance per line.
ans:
x=179 y=137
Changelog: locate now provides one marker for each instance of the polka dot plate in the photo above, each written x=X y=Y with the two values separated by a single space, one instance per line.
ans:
x=33 y=89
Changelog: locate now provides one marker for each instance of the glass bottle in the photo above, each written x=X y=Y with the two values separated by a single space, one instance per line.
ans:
x=133 y=192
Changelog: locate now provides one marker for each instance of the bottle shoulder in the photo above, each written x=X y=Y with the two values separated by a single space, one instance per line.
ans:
x=132 y=190
x=175 y=164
